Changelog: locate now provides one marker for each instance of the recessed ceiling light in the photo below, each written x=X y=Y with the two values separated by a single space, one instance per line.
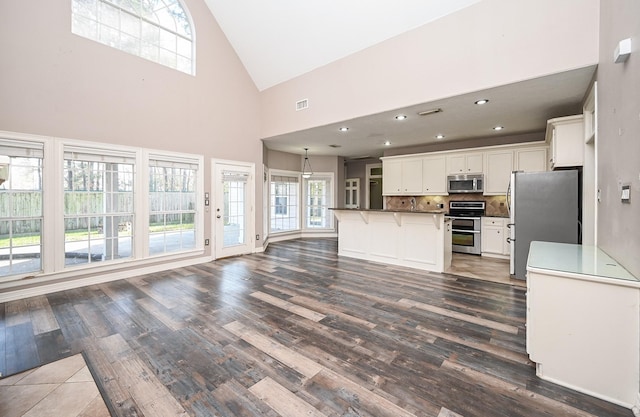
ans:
x=440 y=136
x=344 y=129
x=482 y=101
x=387 y=143
x=498 y=128
x=401 y=117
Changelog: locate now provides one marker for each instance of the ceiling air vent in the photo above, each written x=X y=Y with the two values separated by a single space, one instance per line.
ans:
x=302 y=104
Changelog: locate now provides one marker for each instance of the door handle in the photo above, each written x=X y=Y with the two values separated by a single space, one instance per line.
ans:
x=218 y=216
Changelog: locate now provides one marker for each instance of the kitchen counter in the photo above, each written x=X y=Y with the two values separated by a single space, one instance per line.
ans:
x=579 y=261
x=438 y=211
x=583 y=321
x=415 y=239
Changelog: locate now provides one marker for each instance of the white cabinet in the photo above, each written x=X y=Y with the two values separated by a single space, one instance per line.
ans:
x=434 y=175
x=566 y=141
x=532 y=159
x=465 y=163
x=497 y=172
x=583 y=321
x=402 y=176
x=494 y=232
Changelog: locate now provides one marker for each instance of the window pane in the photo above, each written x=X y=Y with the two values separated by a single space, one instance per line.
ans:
x=152 y=29
x=98 y=210
x=21 y=215
x=172 y=203
x=317 y=212
x=109 y=15
x=130 y=25
x=82 y=26
x=284 y=204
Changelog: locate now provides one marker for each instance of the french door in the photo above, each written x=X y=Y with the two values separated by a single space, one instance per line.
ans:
x=233 y=215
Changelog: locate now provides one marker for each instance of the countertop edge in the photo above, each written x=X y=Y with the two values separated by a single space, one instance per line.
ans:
x=391 y=211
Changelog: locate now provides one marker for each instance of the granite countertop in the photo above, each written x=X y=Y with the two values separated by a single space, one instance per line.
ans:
x=439 y=211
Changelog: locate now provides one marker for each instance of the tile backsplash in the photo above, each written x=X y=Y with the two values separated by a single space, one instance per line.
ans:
x=495 y=205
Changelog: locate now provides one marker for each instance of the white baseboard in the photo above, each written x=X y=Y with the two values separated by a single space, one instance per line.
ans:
x=636 y=407
x=47 y=288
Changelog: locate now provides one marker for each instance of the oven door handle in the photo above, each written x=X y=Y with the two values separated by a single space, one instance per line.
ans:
x=465 y=231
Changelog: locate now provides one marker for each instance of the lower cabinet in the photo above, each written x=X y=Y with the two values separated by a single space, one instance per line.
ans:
x=494 y=232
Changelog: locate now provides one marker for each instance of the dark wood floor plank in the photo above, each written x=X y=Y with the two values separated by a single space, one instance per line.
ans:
x=295 y=328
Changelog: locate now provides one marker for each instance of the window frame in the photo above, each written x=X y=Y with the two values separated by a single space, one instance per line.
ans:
x=29 y=148
x=102 y=25
x=52 y=229
x=273 y=207
x=330 y=193
x=178 y=160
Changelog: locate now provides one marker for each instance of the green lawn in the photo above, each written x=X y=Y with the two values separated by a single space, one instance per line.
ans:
x=29 y=239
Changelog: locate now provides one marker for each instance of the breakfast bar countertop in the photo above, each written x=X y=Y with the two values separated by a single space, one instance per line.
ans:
x=437 y=211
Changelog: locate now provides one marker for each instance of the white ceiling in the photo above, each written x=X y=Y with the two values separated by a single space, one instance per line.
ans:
x=278 y=40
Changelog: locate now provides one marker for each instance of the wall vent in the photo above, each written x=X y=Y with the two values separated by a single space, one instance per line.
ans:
x=302 y=104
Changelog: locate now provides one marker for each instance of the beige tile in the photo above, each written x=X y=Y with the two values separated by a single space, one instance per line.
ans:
x=83 y=375
x=55 y=372
x=97 y=408
x=444 y=412
x=16 y=400
x=10 y=380
x=66 y=400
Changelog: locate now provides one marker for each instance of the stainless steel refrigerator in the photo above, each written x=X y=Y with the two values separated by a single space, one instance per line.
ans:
x=542 y=206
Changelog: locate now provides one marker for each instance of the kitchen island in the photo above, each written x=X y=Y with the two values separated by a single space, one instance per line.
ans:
x=415 y=239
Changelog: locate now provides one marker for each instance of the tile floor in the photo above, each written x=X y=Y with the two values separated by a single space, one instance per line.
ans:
x=64 y=388
x=484 y=268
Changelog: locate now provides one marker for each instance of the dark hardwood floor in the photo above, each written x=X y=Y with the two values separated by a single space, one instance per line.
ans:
x=295 y=331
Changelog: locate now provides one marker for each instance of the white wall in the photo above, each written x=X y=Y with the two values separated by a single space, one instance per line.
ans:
x=491 y=43
x=54 y=83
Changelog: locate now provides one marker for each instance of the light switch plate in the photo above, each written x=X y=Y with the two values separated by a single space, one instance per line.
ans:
x=626 y=193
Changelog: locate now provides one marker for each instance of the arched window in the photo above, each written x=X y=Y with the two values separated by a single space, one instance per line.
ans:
x=158 y=30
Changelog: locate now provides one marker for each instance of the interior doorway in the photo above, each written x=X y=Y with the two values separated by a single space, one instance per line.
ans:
x=373 y=189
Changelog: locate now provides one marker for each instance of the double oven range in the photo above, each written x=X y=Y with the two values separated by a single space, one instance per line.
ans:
x=465 y=226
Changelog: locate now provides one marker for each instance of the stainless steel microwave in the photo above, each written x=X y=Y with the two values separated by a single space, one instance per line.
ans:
x=465 y=183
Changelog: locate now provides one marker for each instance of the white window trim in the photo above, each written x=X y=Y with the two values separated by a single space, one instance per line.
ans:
x=53 y=262
x=331 y=192
x=192 y=40
x=283 y=173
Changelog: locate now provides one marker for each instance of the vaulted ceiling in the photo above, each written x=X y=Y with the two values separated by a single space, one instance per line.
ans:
x=278 y=40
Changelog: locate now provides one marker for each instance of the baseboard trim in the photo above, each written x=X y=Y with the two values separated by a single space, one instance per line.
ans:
x=68 y=284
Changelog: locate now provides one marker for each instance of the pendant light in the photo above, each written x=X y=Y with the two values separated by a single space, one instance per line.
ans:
x=306 y=167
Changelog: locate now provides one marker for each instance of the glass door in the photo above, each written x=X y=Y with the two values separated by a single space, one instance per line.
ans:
x=232 y=210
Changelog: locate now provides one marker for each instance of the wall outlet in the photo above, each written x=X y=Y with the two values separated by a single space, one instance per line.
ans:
x=206 y=242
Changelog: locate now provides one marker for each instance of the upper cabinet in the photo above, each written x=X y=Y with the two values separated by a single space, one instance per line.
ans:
x=497 y=171
x=402 y=176
x=565 y=136
x=426 y=174
x=434 y=175
x=532 y=159
x=465 y=163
